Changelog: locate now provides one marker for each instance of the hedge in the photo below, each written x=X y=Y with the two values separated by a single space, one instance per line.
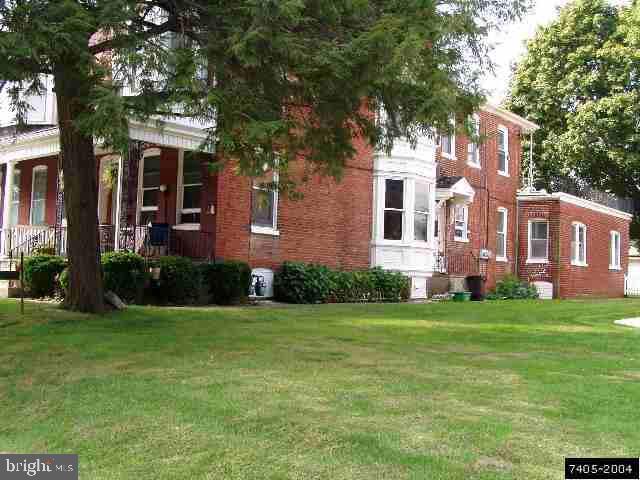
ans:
x=512 y=288
x=300 y=283
x=226 y=283
x=125 y=274
x=40 y=272
x=180 y=281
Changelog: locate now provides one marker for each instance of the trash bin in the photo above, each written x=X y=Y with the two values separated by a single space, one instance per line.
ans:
x=461 y=296
x=475 y=284
x=159 y=235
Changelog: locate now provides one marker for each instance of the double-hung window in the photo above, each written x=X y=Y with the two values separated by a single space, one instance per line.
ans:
x=39 y=195
x=264 y=205
x=150 y=187
x=578 y=244
x=503 y=151
x=461 y=222
x=538 y=241
x=393 y=209
x=422 y=212
x=501 y=240
x=191 y=189
x=614 y=251
x=448 y=142
x=14 y=217
x=473 y=149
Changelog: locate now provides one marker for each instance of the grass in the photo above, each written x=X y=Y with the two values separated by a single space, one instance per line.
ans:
x=447 y=391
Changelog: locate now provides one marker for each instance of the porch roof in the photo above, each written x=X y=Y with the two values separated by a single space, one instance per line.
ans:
x=46 y=142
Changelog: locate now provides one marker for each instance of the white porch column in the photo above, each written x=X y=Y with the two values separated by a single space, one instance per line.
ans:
x=6 y=209
x=116 y=239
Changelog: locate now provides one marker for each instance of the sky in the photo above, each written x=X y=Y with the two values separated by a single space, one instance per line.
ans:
x=510 y=44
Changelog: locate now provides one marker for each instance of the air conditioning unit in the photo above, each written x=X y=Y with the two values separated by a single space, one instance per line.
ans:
x=485 y=254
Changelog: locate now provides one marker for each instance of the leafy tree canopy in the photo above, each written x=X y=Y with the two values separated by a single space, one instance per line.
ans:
x=286 y=76
x=579 y=81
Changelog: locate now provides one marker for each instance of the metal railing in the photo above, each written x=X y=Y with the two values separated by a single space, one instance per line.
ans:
x=460 y=264
x=147 y=241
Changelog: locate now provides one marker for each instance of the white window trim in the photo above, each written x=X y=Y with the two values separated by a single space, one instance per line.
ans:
x=477 y=163
x=505 y=130
x=403 y=211
x=428 y=213
x=36 y=169
x=574 y=261
x=530 y=257
x=617 y=258
x=14 y=205
x=150 y=152
x=273 y=230
x=465 y=238
x=504 y=258
x=452 y=136
x=180 y=198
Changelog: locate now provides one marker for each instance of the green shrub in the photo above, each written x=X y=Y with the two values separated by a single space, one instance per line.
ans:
x=44 y=251
x=303 y=283
x=63 y=281
x=180 y=281
x=125 y=274
x=297 y=282
x=512 y=288
x=40 y=272
x=227 y=282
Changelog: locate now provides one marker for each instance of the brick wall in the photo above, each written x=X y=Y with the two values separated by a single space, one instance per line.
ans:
x=595 y=279
x=330 y=225
x=492 y=191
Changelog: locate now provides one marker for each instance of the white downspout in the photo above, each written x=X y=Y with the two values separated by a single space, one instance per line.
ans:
x=6 y=212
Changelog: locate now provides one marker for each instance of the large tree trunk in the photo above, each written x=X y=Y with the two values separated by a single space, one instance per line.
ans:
x=80 y=196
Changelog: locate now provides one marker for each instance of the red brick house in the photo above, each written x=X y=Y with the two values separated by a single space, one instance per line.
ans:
x=437 y=211
x=477 y=209
x=571 y=247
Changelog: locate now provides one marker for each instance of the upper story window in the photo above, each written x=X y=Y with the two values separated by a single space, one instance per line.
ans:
x=39 y=195
x=191 y=190
x=614 y=251
x=422 y=212
x=393 y=209
x=461 y=223
x=473 y=149
x=578 y=244
x=14 y=217
x=448 y=142
x=149 y=190
x=503 y=150
x=501 y=240
x=264 y=205
x=538 y=241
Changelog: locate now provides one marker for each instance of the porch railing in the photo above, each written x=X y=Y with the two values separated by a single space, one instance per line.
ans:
x=142 y=239
x=459 y=264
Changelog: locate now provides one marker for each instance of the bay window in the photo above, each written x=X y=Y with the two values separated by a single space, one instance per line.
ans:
x=39 y=195
x=614 y=251
x=578 y=244
x=461 y=222
x=191 y=190
x=538 y=241
x=422 y=212
x=393 y=209
x=501 y=240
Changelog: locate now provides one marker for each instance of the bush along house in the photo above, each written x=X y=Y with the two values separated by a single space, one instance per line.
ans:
x=438 y=211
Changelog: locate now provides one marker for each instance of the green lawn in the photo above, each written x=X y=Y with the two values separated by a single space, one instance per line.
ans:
x=446 y=391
